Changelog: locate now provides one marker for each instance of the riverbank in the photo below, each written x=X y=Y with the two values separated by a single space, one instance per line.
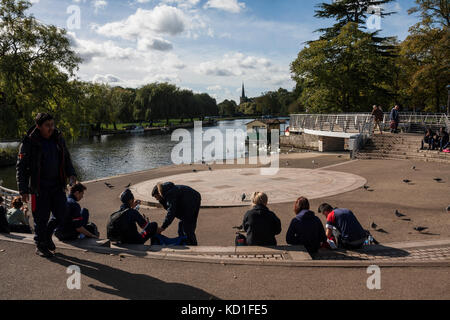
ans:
x=8 y=157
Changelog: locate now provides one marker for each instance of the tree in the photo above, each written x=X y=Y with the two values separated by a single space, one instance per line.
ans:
x=36 y=60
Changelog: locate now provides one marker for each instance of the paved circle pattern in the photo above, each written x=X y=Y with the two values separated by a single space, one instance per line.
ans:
x=224 y=188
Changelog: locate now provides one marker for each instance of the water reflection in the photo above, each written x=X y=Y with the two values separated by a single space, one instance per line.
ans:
x=107 y=156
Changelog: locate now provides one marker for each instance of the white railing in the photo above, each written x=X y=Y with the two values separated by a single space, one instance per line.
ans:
x=361 y=122
x=8 y=195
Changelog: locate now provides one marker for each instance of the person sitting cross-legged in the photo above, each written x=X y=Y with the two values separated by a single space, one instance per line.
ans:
x=76 y=222
x=123 y=226
x=343 y=226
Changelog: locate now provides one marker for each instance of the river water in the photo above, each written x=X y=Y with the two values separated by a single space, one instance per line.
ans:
x=108 y=156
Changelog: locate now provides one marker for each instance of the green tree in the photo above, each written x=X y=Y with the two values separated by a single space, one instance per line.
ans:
x=36 y=62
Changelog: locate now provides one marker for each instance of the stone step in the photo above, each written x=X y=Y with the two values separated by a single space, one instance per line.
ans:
x=373 y=156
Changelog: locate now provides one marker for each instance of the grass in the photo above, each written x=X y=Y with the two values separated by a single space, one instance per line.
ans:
x=156 y=124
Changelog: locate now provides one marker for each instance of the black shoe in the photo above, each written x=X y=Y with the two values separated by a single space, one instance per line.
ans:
x=44 y=252
x=51 y=245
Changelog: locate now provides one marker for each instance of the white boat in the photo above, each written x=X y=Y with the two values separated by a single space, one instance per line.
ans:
x=137 y=129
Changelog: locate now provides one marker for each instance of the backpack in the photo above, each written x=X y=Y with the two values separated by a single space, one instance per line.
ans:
x=113 y=226
x=240 y=240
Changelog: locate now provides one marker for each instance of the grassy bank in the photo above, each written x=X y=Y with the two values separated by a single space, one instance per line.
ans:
x=8 y=156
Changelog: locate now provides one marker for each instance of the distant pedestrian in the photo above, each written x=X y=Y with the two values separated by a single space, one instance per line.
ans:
x=378 y=116
x=261 y=224
x=429 y=139
x=17 y=219
x=343 y=226
x=183 y=203
x=443 y=142
x=395 y=119
x=43 y=168
x=306 y=229
x=4 y=226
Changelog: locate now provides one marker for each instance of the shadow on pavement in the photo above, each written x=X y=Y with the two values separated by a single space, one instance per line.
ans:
x=366 y=253
x=132 y=286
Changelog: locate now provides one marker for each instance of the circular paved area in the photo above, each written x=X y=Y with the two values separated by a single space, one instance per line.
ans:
x=224 y=188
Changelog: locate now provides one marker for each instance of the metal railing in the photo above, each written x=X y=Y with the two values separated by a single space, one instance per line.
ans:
x=347 y=123
x=8 y=195
x=362 y=123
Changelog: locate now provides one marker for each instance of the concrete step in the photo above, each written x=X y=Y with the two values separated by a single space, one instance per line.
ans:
x=373 y=156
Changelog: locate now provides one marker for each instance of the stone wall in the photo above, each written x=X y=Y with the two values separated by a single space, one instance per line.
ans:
x=312 y=142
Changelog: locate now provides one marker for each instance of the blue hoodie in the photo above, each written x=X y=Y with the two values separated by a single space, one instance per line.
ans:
x=307 y=230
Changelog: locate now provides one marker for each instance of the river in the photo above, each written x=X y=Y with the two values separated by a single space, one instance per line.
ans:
x=112 y=155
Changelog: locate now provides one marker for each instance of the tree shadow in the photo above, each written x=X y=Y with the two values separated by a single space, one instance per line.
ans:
x=132 y=286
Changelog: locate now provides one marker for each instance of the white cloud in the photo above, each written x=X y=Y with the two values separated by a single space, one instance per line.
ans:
x=227 y=5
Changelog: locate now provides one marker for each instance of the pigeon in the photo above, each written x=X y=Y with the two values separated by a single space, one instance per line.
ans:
x=109 y=185
x=398 y=214
x=406 y=181
x=374 y=226
x=448 y=209
x=129 y=185
x=243 y=197
x=420 y=229
x=287 y=163
x=366 y=187
x=209 y=168
x=414 y=168
x=437 y=179
x=194 y=171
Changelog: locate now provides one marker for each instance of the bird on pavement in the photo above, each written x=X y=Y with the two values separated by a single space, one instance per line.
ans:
x=398 y=214
x=420 y=229
x=129 y=185
x=414 y=168
x=243 y=197
x=374 y=225
x=109 y=185
x=437 y=179
x=406 y=181
x=366 y=187
x=194 y=171
x=209 y=168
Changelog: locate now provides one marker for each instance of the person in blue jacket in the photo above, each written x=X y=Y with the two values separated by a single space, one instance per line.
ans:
x=395 y=119
x=306 y=229
x=76 y=222
x=181 y=202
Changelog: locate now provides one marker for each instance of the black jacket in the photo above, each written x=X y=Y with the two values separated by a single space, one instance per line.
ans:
x=28 y=166
x=261 y=225
x=181 y=202
x=307 y=230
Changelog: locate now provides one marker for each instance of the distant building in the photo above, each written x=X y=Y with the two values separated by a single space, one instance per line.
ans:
x=244 y=98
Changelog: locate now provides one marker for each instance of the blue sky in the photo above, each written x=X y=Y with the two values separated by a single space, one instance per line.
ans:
x=204 y=45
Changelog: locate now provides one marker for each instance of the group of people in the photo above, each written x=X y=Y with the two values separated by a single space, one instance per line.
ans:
x=44 y=170
x=342 y=229
x=436 y=141
x=15 y=219
x=378 y=118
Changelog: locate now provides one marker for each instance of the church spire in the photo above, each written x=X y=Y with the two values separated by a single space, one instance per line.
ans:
x=243 y=91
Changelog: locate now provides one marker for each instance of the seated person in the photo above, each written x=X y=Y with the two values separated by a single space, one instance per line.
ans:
x=125 y=224
x=261 y=224
x=429 y=138
x=76 y=221
x=306 y=229
x=17 y=219
x=4 y=226
x=351 y=234
x=443 y=142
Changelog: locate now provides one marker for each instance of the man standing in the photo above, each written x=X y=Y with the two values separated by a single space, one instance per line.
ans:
x=378 y=116
x=43 y=168
x=181 y=202
x=351 y=233
x=395 y=119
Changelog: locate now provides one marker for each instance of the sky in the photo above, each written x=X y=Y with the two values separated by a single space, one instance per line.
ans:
x=210 y=46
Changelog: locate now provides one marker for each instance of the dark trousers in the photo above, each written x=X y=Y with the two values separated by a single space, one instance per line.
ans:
x=187 y=227
x=48 y=201
x=430 y=142
x=68 y=235
x=20 y=228
x=141 y=238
